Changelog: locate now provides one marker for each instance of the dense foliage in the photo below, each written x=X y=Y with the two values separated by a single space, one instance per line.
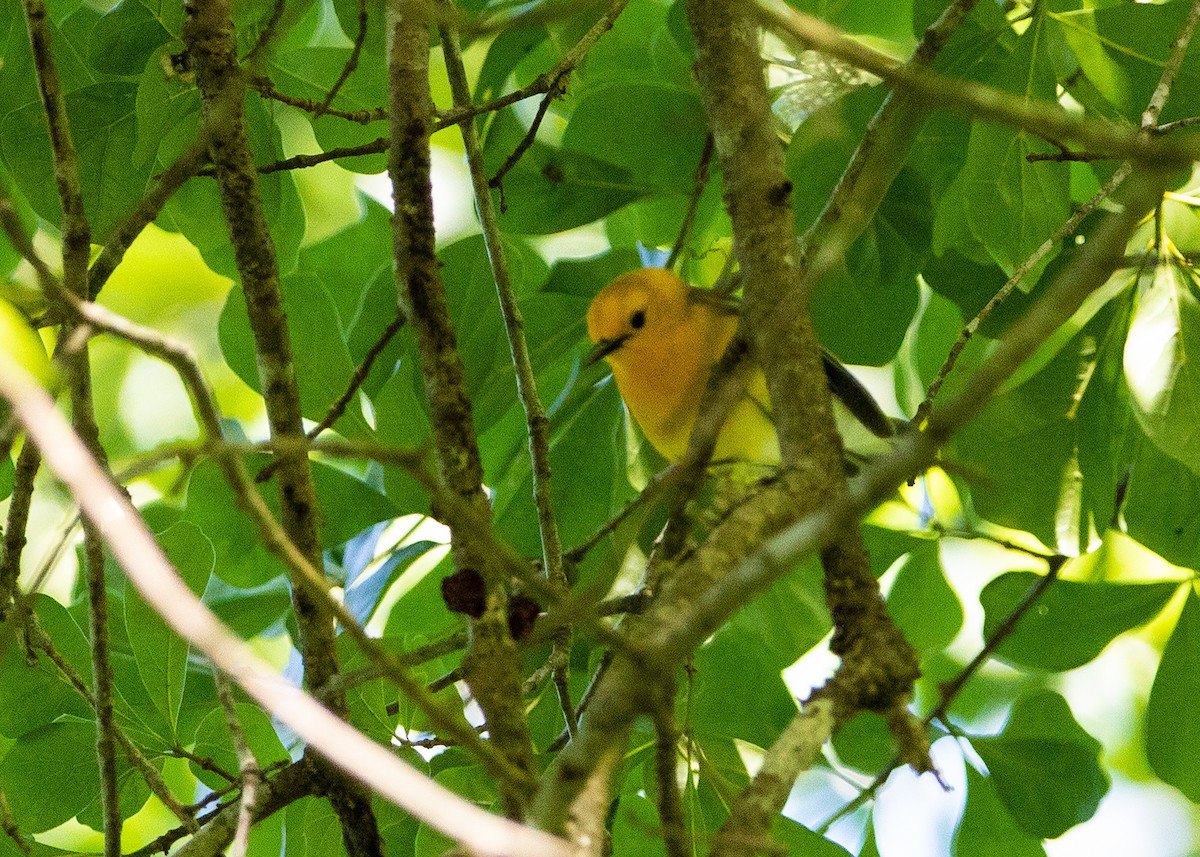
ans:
x=1085 y=463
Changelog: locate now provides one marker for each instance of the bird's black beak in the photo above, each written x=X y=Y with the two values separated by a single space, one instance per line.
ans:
x=602 y=349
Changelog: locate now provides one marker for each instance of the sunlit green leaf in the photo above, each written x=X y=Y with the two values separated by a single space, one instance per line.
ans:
x=1163 y=382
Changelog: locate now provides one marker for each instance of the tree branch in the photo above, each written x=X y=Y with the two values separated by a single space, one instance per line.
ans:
x=149 y=570
x=490 y=664
x=208 y=33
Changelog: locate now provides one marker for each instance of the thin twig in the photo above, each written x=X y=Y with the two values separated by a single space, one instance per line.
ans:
x=76 y=246
x=666 y=766
x=689 y=217
x=351 y=62
x=264 y=87
x=557 y=88
x=1019 y=274
x=536 y=421
x=250 y=776
x=356 y=381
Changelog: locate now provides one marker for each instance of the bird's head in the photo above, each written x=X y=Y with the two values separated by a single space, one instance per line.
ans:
x=641 y=303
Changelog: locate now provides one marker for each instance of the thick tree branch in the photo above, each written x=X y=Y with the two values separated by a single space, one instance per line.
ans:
x=76 y=249
x=208 y=33
x=490 y=665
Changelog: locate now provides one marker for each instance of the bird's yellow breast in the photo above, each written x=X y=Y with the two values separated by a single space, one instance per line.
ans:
x=662 y=344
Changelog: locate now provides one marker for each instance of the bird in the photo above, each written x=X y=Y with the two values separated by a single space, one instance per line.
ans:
x=662 y=337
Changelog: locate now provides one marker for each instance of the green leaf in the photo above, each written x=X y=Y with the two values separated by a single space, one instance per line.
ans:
x=1122 y=49
x=362 y=595
x=161 y=654
x=1007 y=204
x=634 y=820
x=1044 y=766
x=214 y=743
x=33 y=694
x=987 y=829
x=103 y=121
x=1172 y=718
x=50 y=775
x=922 y=602
x=661 y=135
x=166 y=103
x=1018 y=451
x=1165 y=384
x=125 y=38
x=249 y=612
x=865 y=742
x=7 y=469
x=798 y=839
x=790 y=617
x=1072 y=622
x=732 y=662
x=196 y=211
x=319 y=353
x=240 y=559
x=550 y=190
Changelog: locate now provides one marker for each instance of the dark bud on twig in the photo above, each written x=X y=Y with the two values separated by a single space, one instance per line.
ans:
x=464 y=592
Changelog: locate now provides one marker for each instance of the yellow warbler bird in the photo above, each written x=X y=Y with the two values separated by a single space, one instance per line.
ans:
x=662 y=338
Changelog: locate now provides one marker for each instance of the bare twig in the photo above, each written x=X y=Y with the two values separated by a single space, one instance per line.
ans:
x=250 y=776
x=689 y=216
x=351 y=62
x=1022 y=271
x=537 y=424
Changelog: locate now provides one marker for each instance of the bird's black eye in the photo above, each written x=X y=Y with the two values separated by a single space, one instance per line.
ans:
x=638 y=320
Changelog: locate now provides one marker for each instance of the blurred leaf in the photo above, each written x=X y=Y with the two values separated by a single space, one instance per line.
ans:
x=1122 y=49
x=550 y=189
x=726 y=667
x=865 y=742
x=662 y=132
x=790 y=617
x=1044 y=767
x=62 y=754
x=1072 y=622
x=1017 y=453
x=1172 y=718
x=362 y=596
x=987 y=829
x=310 y=73
x=240 y=559
x=798 y=839
x=196 y=211
x=1007 y=204
x=33 y=694
x=321 y=359
x=922 y=602
x=125 y=38
x=1163 y=382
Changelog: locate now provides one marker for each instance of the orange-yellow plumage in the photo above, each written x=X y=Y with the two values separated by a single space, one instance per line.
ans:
x=662 y=339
